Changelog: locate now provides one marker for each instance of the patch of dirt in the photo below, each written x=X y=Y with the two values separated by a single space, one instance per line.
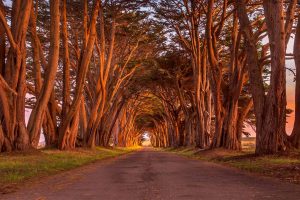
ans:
x=30 y=152
x=8 y=188
x=218 y=153
x=286 y=172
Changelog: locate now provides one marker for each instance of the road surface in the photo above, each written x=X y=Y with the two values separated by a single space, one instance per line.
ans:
x=153 y=175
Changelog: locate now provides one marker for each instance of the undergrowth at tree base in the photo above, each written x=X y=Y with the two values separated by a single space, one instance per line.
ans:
x=285 y=166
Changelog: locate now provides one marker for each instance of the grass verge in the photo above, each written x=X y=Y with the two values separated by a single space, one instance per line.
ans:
x=18 y=167
x=283 y=166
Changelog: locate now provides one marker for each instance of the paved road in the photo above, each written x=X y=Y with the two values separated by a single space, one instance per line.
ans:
x=154 y=175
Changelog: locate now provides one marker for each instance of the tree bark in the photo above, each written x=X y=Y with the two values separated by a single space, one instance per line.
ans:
x=13 y=105
x=272 y=136
x=269 y=110
x=38 y=112
x=80 y=81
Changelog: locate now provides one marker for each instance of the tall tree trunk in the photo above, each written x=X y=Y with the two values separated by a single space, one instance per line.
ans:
x=67 y=122
x=269 y=110
x=272 y=136
x=38 y=112
x=66 y=61
x=13 y=84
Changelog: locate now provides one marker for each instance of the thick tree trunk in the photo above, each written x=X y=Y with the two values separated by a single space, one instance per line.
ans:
x=272 y=135
x=13 y=85
x=67 y=122
x=270 y=110
x=101 y=89
x=230 y=135
x=38 y=112
x=225 y=93
x=219 y=115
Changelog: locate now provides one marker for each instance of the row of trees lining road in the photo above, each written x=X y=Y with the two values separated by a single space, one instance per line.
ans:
x=237 y=51
x=88 y=73
x=69 y=62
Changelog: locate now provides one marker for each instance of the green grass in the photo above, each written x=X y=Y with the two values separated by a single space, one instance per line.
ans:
x=283 y=166
x=17 y=167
